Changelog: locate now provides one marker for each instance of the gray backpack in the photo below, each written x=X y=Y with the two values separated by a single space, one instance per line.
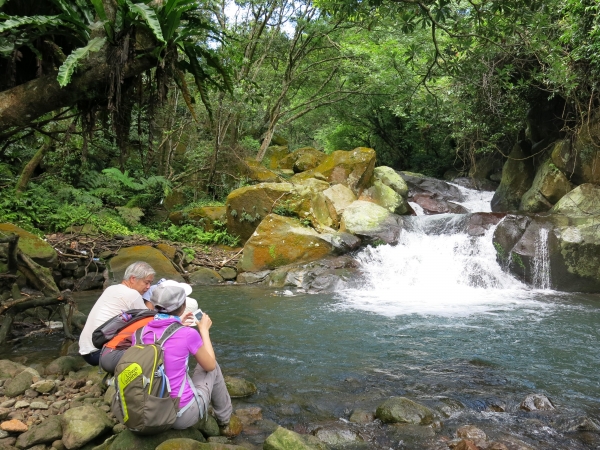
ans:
x=142 y=401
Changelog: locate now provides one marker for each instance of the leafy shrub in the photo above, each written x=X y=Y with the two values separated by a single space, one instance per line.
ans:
x=194 y=235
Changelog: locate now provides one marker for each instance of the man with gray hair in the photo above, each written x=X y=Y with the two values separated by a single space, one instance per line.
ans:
x=115 y=299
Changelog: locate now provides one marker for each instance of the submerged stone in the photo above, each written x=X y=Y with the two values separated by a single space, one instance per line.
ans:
x=403 y=410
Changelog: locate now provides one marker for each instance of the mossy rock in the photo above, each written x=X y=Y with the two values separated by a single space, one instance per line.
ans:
x=273 y=155
x=403 y=410
x=284 y=439
x=65 y=364
x=203 y=216
x=517 y=177
x=128 y=255
x=9 y=369
x=127 y=440
x=583 y=201
x=279 y=241
x=205 y=276
x=238 y=387
x=255 y=171
x=549 y=186
x=34 y=247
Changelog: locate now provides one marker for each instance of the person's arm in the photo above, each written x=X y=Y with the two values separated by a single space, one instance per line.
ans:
x=205 y=354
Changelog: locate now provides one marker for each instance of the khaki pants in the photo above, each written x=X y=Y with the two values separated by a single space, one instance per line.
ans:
x=213 y=386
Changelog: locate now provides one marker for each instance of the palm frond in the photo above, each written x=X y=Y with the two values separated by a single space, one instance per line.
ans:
x=149 y=17
x=68 y=67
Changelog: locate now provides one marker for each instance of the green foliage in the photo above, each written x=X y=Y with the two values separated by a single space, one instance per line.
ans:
x=194 y=235
x=68 y=67
x=283 y=209
x=131 y=216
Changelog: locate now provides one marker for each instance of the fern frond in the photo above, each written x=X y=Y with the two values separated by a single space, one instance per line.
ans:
x=68 y=67
x=37 y=21
x=149 y=16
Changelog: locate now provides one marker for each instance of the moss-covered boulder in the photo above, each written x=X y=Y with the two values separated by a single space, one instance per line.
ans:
x=190 y=444
x=126 y=440
x=205 y=276
x=279 y=241
x=247 y=206
x=403 y=410
x=549 y=186
x=337 y=198
x=580 y=162
x=273 y=155
x=238 y=387
x=583 y=201
x=258 y=173
x=34 y=247
x=284 y=439
x=46 y=432
x=352 y=168
x=391 y=178
x=386 y=197
x=302 y=159
x=9 y=369
x=203 y=216
x=128 y=255
x=517 y=177
x=82 y=424
x=65 y=364
x=371 y=222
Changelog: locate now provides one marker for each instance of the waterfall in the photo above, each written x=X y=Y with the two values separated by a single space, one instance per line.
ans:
x=541 y=263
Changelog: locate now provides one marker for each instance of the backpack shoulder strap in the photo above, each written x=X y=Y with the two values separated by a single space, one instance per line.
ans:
x=169 y=331
x=138 y=335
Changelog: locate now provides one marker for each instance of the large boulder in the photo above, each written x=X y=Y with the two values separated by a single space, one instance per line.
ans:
x=284 y=439
x=160 y=263
x=46 y=432
x=323 y=275
x=371 y=222
x=65 y=364
x=517 y=177
x=433 y=204
x=279 y=241
x=335 y=199
x=205 y=276
x=391 y=178
x=403 y=410
x=247 y=206
x=302 y=159
x=583 y=201
x=352 y=168
x=273 y=155
x=126 y=440
x=82 y=424
x=549 y=186
x=385 y=196
x=418 y=183
x=255 y=171
x=9 y=369
x=204 y=216
x=19 y=384
x=34 y=247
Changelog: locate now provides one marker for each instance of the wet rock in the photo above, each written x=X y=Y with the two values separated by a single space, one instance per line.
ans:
x=362 y=417
x=46 y=432
x=418 y=183
x=233 y=428
x=126 y=440
x=179 y=444
x=391 y=178
x=496 y=446
x=14 y=426
x=205 y=276
x=581 y=162
x=371 y=222
x=19 y=384
x=431 y=204
x=337 y=435
x=279 y=241
x=536 y=402
x=583 y=201
x=283 y=439
x=472 y=433
x=549 y=186
x=465 y=444
x=252 y=277
x=82 y=424
x=403 y=410
x=478 y=184
x=65 y=364
x=249 y=415
x=238 y=387
x=579 y=424
x=409 y=432
x=386 y=197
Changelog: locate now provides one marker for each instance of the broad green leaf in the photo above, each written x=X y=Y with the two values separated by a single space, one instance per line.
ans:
x=68 y=67
x=37 y=21
x=149 y=16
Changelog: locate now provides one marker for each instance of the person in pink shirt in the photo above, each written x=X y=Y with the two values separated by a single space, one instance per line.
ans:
x=207 y=384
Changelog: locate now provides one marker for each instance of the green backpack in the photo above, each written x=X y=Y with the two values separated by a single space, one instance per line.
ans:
x=142 y=401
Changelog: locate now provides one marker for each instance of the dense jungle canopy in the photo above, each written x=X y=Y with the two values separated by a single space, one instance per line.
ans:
x=109 y=107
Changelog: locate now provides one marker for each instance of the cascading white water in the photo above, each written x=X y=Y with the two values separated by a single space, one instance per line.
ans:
x=438 y=269
x=541 y=264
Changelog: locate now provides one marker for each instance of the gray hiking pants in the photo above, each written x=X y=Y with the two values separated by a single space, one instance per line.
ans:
x=213 y=386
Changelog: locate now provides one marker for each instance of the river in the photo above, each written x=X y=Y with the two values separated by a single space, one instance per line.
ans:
x=433 y=319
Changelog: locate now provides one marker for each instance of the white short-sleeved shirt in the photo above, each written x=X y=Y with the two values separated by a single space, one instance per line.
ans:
x=113 y=301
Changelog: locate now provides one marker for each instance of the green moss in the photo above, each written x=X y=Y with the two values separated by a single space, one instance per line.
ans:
x=272 y=253
x=500 y=251
x=517 y=259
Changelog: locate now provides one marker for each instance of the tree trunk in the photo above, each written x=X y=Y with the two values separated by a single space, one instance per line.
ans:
x=265 y=143
x=24 y=103
x=31 y=166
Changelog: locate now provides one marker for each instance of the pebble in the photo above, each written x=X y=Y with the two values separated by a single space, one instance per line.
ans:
x=59 y=404
x=31 y=393
x=4 y=412
x=8 y=403
x=38 y=405
x=22 y=404
x=14 y=426
x=3 y=434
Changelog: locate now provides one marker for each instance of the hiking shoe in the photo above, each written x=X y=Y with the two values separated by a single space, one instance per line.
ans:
x=233 y=428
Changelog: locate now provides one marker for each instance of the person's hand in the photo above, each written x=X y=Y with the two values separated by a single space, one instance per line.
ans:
x=204 y=324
